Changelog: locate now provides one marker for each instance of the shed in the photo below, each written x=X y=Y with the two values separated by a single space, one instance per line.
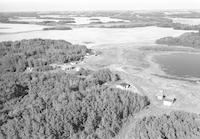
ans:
x=168 y=102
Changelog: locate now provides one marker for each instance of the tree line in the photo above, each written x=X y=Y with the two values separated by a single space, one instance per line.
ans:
x=190 y=39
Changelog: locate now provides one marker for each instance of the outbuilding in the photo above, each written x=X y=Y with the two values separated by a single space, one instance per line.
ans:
x=123 y=86
x=169 y=100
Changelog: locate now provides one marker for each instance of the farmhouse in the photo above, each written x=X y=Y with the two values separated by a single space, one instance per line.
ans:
x=169 y=100
x=123 y=86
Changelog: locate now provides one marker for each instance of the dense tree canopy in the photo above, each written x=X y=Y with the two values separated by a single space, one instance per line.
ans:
x=176 y=125
x=18 y=55
x=59 y=105
x=64 y=105
x=187 y=39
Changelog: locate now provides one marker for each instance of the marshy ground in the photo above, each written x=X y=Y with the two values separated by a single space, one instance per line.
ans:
x=134 y=64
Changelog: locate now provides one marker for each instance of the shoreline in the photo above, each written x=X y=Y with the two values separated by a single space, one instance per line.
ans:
x=156 y=67
x=142 y=77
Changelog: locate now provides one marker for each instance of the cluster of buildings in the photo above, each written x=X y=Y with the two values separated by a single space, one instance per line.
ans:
x=72 y=65
x=167 y=99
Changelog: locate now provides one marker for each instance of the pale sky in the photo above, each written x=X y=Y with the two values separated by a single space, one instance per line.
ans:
x=65 y=5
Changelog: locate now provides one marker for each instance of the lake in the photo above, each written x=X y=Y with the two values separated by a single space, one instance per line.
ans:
x=16 y=28
x=185 y=65
x=52 y=16
x=96 y=36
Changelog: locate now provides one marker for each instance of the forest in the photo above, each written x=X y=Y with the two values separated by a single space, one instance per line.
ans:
x=63 y=105
x=17 y=56
x=176 y=125
x=57 y=28
x=59 y=105
x=191 y=39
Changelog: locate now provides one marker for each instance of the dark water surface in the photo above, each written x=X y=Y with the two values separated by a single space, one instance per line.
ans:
x=180 y=64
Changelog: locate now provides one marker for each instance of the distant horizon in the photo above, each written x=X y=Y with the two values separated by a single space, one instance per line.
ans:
x=148 y=10
x=96 y=5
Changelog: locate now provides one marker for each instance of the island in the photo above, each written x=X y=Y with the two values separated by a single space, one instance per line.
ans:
x=58 y=28
x=156 y=18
